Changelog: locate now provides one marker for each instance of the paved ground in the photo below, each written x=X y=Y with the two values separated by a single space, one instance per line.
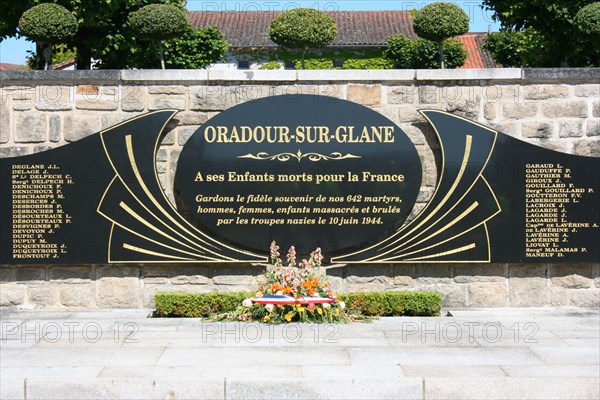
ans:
x=529 y=353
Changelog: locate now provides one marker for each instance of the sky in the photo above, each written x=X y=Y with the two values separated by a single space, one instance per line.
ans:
x=14 y=51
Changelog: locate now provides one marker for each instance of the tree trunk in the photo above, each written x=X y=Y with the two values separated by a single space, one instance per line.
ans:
x=84 y=56
x=303 y=54
x=162 y=59
x=441 y=47
x=38 y=61
x=47 y=56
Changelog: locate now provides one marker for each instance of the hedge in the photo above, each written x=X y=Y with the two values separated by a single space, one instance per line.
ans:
x=376 y=304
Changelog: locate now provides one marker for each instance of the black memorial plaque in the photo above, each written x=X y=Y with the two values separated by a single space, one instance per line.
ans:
x=303 y=170
x=312 y=171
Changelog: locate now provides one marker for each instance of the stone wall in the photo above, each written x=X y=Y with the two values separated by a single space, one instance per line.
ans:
x=556 y=109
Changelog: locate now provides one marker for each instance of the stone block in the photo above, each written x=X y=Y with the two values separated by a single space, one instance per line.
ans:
x=403 y=274
x=189 y=275
x=13 y=151
x=87 y=89
x=6 y=275
x=416 y=133
x=537 y=130
x=53 y=98
x=212 y=98
x=164 y=102
x=235 y=276
x=115 y=118
x=429 y=94
x=452 y=295
x=409 y=113
x=12 y=389
x=489 y=111
x=571 y=276
x=596 y=108
x=570 y=128
x=519 y=110
x=480 y=273
x=167 y=89
x=587 y=148
x=22 y=105
x=78 y=126
x=557 y=297
x=509 y=128
x=42 y=295
x=118 y=292
x=545 y=92
x=95 y=104
x=12 y=294
x=77 y=295
x=465 y=107
x=584 y=298
x=593 y=128
x=183 y=134
x=30 y=274
x=55 y=128
x=30 y=128
x=587 y=90
x=133 y=98
x=193 y=117
x=71 y=274
x=527 y=285
x=574 y=109
x=367 y=95
x=39 y=149
x=488 y=296
x=402 y=94
x=4 y=121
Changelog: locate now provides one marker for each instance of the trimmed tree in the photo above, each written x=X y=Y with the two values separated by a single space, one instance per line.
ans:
x=587 y=20
x=47 y=24
x=440 y=21
x=303 y=28
x=158 y=22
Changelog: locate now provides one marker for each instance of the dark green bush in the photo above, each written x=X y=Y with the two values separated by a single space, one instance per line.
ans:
x=587 y=20
x=158 y=21
x=48 y=23
x=406 y=53
x=195 y=305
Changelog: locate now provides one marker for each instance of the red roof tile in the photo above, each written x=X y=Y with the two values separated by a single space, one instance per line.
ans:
x=477 y=57
x=8 y=67
x=355 y=28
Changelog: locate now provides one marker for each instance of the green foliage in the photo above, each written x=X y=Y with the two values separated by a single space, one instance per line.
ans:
x=390 y=304
x=48 y=23
x=271 y=65
x=368 y=304
x=303 y=28
x=196 y=305
x=195 y=49
x=406 y=53
x=439 y=21
x=552 y=26
x=516 y=48
x=156 y=22
x=587 y=20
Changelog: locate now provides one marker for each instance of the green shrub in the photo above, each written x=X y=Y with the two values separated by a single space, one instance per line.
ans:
x=195 y=305
x=303 y=29
x=48 y=23
x=587 y=20
x=406 y=53
x=156 y=22
x=368 y=63
x=271 y=65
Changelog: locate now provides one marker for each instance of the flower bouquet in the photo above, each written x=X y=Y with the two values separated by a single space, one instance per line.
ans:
x=294 y=292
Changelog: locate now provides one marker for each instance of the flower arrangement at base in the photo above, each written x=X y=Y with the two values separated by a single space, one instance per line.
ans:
x=294 y=292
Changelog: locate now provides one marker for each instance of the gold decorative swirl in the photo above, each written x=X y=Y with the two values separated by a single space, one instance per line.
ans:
x=283 y=157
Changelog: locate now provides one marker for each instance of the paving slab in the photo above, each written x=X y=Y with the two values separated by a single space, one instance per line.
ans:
x=500 y=353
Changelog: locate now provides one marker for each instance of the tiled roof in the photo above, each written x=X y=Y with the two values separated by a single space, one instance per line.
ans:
x=355 y=28
x=6 y=67
x=477 y=57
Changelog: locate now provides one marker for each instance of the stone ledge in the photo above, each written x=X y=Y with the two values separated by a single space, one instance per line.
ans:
x=553 y=74
x=468 y=74
x=172 y=75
